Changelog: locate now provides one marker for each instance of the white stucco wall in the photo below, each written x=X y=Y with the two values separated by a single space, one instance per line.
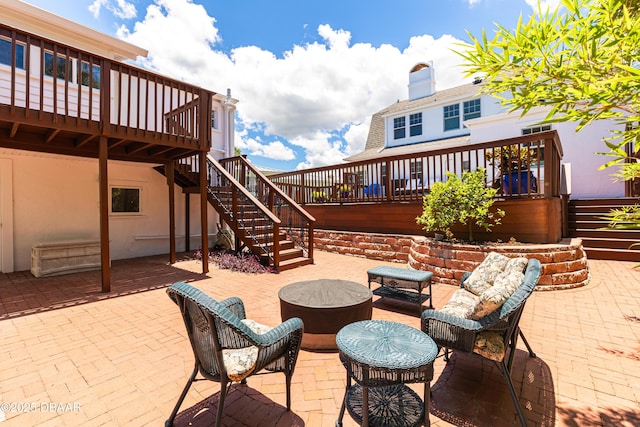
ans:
x=56 y=198
x=580 y=149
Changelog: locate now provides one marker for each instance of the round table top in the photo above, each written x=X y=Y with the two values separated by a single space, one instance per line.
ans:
x=385 y=344
x=325 y=293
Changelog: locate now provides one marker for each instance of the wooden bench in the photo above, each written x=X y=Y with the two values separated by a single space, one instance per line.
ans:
x=401 y=284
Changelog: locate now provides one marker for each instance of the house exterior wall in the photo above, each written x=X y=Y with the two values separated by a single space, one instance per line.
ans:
x=580 y=149
x=433 y=121
x=56 y=198
x=46 y=198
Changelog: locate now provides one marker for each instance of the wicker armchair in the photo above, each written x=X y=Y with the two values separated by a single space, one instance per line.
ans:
x=229 y=348
x=460 y=334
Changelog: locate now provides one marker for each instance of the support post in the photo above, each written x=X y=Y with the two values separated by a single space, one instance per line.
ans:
x=169 y=169
x=187 y=222
x=204 y=223
x=104 y=215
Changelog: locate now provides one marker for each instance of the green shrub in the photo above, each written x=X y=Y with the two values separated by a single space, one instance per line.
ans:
x=465 y=200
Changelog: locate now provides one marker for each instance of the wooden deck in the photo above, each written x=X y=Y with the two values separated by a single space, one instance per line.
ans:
x=384 y=195
x=52 y=100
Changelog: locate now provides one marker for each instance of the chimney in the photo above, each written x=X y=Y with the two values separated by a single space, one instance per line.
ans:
x=422 y=81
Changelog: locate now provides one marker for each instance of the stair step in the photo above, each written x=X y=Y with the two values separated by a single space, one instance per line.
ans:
x=604 y=234
x=599 y=242
x=612 y=254
x=594 y=242
x=622 y=201
x=292 y=253
x=293 y=263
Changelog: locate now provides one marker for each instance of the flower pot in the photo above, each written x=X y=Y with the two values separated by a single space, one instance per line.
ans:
x=518 y=182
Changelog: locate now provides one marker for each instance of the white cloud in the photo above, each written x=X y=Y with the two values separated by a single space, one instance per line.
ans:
x=254 y=146
x=544 y=4
x=309 y=96
x=121 y=9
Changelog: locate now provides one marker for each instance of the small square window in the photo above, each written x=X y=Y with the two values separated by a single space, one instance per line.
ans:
x=471 y=109
x=125 y=200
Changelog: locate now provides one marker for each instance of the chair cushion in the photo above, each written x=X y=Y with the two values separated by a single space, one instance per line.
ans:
x=492 y=298
x=484 y=275
x=241 y=362
x=516 y=264
x=256 y=327
x=490 y=345
x=461 y=304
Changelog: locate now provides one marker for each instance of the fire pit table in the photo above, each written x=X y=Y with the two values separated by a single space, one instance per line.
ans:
x=325 y=306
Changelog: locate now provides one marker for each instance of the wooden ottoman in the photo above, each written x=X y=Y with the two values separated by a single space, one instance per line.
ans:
x=325 y=306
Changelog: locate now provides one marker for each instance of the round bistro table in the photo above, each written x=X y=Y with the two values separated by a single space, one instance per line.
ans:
x=382 y=357
x=325 y=306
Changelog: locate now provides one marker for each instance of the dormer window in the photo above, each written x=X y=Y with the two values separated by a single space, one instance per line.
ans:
x=399 y=128
x=471 y=109
x=451 y=117
x=415 y=124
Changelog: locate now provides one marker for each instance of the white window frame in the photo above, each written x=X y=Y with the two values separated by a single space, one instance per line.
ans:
x=399 y=127
x=449 y=116
x=415 y=124
x=535 y=129
x=472 y=109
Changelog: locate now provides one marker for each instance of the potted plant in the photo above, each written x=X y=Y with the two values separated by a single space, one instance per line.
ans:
x=319 y=196
x=464 y=199
x=514 y=163
x=343 y=190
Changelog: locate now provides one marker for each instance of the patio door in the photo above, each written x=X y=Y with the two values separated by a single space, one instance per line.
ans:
x=6 y=216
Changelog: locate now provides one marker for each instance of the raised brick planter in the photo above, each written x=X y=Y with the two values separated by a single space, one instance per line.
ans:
x=564 y=264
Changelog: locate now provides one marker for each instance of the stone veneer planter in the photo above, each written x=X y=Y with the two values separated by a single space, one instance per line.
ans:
x=564 y=264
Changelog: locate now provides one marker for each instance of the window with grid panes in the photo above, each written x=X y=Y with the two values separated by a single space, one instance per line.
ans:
x=415 y=124
x=471 y=109
x=451 y=117
x=399 y=128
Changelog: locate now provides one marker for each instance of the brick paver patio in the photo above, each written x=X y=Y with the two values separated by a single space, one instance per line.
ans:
x=75 y=357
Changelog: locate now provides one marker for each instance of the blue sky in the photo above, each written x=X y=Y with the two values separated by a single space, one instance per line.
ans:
x=308 y=74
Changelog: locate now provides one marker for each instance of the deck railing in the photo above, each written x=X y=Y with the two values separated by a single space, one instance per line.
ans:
x=45 y=83
x=532 y=170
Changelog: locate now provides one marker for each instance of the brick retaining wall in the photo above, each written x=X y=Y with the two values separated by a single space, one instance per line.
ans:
x=564 y=265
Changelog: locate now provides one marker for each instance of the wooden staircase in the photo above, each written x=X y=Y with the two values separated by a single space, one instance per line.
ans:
x=586 y=223
x=256 y=227
x=249 y=217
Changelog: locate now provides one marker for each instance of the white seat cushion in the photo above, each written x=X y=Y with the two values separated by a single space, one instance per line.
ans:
x=241 y=362
x=483 y=276
x=461 y=304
